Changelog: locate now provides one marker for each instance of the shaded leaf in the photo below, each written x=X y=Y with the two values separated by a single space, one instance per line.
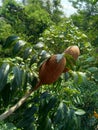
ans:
x=7 y=126
x=90 y=59
x=51 y=104
x=92 y=69
x=4 y=70
x=33 y=59
x=34 y=81
x=61 y=113
x=44 y=95
x=27 y=52
x=45 y=123
x=18 y=46
x=28 y=118
x=96 y=76
x=17 y=81
x=6 y=93
x=10 y=40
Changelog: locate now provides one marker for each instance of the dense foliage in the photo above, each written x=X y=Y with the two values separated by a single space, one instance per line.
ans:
x=30 y=33
x=87 y=18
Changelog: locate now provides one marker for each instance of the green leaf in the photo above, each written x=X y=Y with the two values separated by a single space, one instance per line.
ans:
x=10 y=40
x=28 y=117
x=6 y=94
x=61 y=113
x=90 y=59
x=75 y=75
x=70 y=114
x=82 y=77
x=84 y=36
x=87 y=44
x=33 y=59
x=44 y=54
x=27 y=52
x=18 y=46
x=39 y=45
x=34 y=81
x=46 y=105
x=70 y=62
x=93 y=69
x=18 y=73
x=50 y=105
x=48 y=124
x=79 y=76
x=4 y=70
x=96 y=76
x=44 y=95
x=7 y=126
x=80 y=112
x=94 y=1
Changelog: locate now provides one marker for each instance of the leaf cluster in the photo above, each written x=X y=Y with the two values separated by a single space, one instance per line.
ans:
x=68 y=103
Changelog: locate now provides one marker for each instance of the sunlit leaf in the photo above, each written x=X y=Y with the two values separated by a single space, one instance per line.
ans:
x=82 y=77
x=39 y=45
x=80 y=112
x=87 y=44
x=79 y=76
x=70 y=62
x=75 y=76
x=44 y=54
x=84 y=36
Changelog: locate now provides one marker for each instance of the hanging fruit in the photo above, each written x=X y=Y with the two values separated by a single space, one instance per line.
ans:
x=52 y=68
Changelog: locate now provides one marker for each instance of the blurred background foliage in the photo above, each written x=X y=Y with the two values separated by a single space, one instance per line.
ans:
x=30 y=32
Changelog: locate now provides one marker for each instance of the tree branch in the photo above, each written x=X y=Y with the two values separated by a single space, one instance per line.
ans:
x=19 y=103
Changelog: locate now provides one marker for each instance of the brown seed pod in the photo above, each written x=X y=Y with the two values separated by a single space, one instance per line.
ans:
x=73 y=51
x=51 y=69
